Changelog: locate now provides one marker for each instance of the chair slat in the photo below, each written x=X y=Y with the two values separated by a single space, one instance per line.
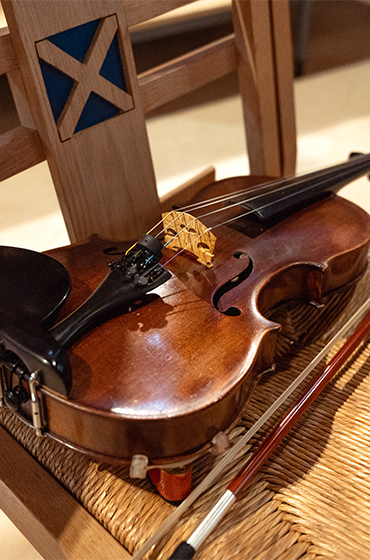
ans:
x=20 y=149
x=138 y=11
x=8 y=59
x=187 y=73
x=183 y=193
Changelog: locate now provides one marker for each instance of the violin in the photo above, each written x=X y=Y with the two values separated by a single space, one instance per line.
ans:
x=156 y=359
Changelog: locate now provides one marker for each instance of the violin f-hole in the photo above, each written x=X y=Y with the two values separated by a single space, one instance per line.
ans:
x=231 y=284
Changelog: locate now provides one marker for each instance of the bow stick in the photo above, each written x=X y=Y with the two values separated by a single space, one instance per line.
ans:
x=187 y=549
x=233 y=452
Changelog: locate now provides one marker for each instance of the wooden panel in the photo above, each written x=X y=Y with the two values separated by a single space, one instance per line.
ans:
x=103 y=174
x=187 y=73
x=283 y=60
x=8 y=59
x=49 y=517
x=138 y=11
x=257 y=84
x=20 y=149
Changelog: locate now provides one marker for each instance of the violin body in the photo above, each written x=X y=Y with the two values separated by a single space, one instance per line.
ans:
x=177 y=368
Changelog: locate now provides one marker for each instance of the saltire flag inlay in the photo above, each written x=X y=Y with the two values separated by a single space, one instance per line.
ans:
x=84 y=75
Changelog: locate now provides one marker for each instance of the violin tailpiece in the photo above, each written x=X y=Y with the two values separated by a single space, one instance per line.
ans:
x=184 y=232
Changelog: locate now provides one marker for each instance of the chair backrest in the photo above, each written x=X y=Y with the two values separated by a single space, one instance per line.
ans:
x=82 y=105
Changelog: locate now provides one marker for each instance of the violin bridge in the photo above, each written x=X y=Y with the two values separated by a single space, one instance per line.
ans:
x=184 y=232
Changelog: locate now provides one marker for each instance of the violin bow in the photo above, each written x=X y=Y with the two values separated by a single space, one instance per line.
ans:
x=186 y=549
x=234 y=451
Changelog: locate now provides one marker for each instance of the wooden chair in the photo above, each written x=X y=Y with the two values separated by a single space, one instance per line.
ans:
x=98 y=152
x=113 y=157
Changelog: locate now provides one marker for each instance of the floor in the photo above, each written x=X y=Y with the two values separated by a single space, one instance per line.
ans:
x=333 y=119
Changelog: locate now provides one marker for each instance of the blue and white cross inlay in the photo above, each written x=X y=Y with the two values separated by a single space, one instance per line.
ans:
x=84 y=75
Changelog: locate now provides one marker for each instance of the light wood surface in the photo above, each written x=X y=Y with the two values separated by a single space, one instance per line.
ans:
x=260 y=74
x=8 y=58
x=282 y=42
x=255 y=71
x=86 y=76
x=16 y=84
x=103 y=175
x=52 y=520
x=20 y=149
x=111 y=161
x=186 y=73
x=183 y=231
x=138 y=11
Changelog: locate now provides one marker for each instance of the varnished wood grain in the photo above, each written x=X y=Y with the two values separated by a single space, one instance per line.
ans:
x=86 y=169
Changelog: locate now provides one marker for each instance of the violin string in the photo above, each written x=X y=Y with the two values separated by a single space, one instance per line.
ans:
x=300 y=179
x=245 y=214
x=230 y=196
x=218 y=199
x=248 y=190
x=223 y=209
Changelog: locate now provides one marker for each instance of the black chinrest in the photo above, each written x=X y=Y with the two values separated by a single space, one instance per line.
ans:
x=33 y=287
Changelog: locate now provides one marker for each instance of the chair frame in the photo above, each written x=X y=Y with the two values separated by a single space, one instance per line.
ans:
x=259 y=50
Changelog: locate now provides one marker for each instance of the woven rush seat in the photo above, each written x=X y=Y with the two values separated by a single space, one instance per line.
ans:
x=310 y=501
